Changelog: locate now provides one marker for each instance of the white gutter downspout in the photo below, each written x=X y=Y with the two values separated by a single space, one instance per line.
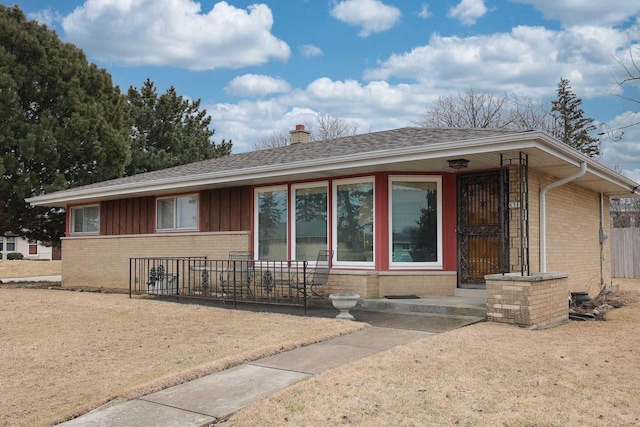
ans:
x=543 y=213
x=602 y=238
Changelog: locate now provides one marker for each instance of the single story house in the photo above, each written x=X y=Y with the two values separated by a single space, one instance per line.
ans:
x=30 y=249
x=414 y=210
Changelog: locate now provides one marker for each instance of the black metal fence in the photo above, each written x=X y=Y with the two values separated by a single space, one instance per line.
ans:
x=271 y=282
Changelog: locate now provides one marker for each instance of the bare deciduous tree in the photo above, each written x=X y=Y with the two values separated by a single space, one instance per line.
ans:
x=628 y=74
x=473 y=109
x=529 y=114
x=625 y=212
x=272 y=140
x=327 y=127
x=470 y=109
x=324 y=127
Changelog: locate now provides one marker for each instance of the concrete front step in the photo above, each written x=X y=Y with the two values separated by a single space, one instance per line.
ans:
x=470 y=293
x=456 y=306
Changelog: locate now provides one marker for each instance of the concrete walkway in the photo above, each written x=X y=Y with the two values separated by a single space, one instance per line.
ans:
x=213 y=397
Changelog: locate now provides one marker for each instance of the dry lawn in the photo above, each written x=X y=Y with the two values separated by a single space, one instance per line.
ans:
x=25 y=268
x=488 y=374
x=63 y=353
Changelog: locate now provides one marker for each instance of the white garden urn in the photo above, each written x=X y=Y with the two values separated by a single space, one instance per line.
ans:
x=344 y=302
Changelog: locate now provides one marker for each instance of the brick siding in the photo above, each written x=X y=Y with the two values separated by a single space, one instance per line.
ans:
x=573 y=220
x=373 y=284
x=103 y=261
x=533 y=301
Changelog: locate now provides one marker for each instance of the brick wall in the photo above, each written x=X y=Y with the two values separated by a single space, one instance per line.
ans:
x=373 y=284
x=537 y=301
x=409 y=283
x=364 y=283
x=573 y=218
x=103 y=261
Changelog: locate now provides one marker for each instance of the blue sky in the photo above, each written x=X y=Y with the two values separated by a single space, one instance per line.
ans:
x=261 y=68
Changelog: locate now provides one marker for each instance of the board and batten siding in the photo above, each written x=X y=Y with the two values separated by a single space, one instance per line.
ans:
x=127 y=216
x=223 y=209
x=226 y=209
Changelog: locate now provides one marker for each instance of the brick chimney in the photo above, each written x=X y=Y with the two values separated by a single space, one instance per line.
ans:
x=300 y=135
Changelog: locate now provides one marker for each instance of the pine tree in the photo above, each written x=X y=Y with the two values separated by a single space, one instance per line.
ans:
x=168 y=130
x=572 y=127
x=63 y=124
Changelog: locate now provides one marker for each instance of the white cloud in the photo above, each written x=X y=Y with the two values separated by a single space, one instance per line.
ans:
x=424 y=11
x=309 y=50
x=528 y=60
x=468 y=11
x=256 y=85
x=46 y=16
x=376 y=105
x=246 y=122
x=372 y=15
x=587 y=12
x=175 y=33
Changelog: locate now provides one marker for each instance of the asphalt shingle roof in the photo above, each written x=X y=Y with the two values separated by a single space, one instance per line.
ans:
x=327 y=149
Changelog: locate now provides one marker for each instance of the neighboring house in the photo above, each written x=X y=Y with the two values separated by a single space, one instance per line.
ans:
x=30 y=249
x=407 y=211
x=625 y=213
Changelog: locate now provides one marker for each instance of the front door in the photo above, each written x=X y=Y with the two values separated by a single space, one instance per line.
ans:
x=481 y=227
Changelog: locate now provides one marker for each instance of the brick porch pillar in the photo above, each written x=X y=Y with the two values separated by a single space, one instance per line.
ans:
x=537 y=301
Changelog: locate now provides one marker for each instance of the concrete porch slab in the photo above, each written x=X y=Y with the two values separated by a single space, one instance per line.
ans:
x=441 y=305
x=434 y=323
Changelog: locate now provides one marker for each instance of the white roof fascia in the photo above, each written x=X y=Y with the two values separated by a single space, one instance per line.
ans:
x=506 y=142
x=594 y=167
x=370 y=158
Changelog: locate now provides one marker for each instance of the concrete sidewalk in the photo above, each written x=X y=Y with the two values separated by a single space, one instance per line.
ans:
x=213 y=397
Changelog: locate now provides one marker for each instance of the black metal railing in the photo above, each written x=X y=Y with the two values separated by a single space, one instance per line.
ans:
x=160 y=275
x=269 y=282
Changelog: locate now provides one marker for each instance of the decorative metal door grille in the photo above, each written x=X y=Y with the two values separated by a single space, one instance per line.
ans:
x=481 y=226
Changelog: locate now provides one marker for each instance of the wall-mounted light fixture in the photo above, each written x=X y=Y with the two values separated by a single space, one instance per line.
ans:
x=458 y=163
